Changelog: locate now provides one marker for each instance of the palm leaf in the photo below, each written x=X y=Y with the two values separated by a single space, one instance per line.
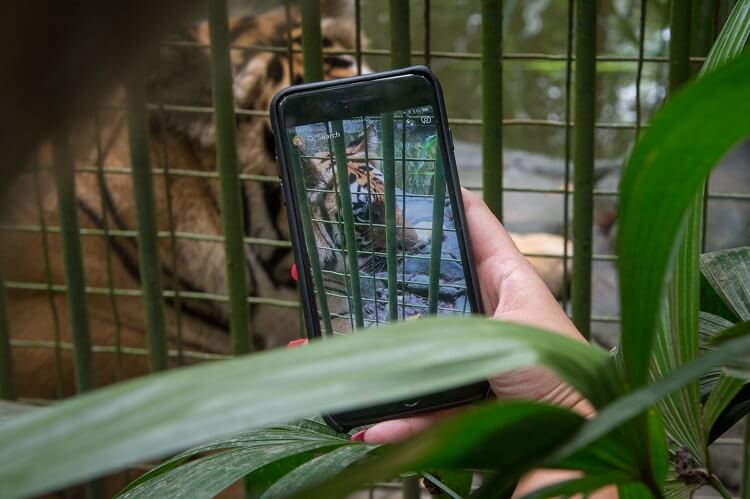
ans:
x=728 y=273
x=149 y=418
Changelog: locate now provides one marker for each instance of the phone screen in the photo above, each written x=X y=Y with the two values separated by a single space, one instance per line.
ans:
x=380 y=230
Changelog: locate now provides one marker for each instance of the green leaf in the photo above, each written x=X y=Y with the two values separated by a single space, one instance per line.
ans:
x=149 y=418
x=683 y=137
x=634 y=403
x=738 y=408
x=723 y=394
x=317 y=470
x=501 y=436
x=453 y=483
x=12 y=410
x=712 y=303
x=731 y=40
x=728 y=273
x=584 y=485
x=301 y=435
x=209 y=475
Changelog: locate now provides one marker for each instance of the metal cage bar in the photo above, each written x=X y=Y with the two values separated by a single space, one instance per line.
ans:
x=492 y=105
x=436 y=246
x=350 y=240
x=101 y=183
x=567 y=153
x=148 y=243
x=400 y=33
x=312 y=41
x=232 y=209
x=389 y=174
x=78 y=317
x=7 y=382
x=57 y=334
x=583 y=199
x=309 y=235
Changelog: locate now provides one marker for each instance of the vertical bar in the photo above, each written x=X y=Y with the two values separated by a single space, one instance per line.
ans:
x=566 y=181
x=226 y=160
x=148 y=243
x=350 y=241
x=702 y=38
x=639 y=69
x=436 y=248
x=492 y=105
x=400 y=34
x=309 y=235
x=174 y=281
x=358 y=34
x=73 y=263
x=427 y=33
x=102 y=184
x=7 y=386
x=48 y=281
x=370 y=200
x=403 y=214
x=583 y=198
x=389 y=173
x=679 y=43
x=340 y=223
x=312 y=41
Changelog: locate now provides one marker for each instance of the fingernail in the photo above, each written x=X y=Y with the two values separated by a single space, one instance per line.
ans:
x=359 y=436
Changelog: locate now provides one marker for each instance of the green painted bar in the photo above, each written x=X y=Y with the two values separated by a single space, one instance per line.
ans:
x=492 y=105
x=148 y=241
x=400 y=33
x=7 y=385
x=73 y=263
x=427 y=32
x=680 y=15
x=389 y=172
x=436 y=248
x=229 y=181
x=312 y=40
x=566 y=180
x=350 y=241
x=309 y=235
x=583 y=198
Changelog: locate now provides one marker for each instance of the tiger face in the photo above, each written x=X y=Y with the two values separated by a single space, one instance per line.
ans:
x=366 y=185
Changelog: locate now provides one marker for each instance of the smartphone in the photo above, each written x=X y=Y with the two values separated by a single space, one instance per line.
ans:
x=375 y=212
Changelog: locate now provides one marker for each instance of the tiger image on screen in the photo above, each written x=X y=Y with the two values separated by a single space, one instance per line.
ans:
x=354 y=280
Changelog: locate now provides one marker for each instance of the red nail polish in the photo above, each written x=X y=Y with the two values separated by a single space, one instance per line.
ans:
x=295 y=276
x=297 y=343
x=359 y=436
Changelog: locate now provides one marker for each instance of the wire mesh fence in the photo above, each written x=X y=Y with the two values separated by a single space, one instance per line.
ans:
x=169 y=303
x=381 y=257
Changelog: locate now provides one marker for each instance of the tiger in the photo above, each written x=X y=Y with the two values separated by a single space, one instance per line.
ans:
x=366 y=185
x=187 y=211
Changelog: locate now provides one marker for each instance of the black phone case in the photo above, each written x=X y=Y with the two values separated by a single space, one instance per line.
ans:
x=312 y=324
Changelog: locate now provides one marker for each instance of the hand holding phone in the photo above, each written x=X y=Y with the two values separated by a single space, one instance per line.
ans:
x=375 y=212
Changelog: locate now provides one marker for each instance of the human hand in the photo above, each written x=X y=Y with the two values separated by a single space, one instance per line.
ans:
x=511 y=291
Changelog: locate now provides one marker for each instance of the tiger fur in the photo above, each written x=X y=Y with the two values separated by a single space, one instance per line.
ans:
x=186 y=201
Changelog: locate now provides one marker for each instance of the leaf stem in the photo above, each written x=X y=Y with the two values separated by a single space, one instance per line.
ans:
x=718 y=486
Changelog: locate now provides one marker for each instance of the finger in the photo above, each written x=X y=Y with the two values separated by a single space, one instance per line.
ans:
x=488 y=237
x=396 y=430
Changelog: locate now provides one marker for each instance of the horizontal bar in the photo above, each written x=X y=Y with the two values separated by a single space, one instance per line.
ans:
x=451 y=121
x=441 y=54
x=196 y=295
x=115 y=349
x=192 y=236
